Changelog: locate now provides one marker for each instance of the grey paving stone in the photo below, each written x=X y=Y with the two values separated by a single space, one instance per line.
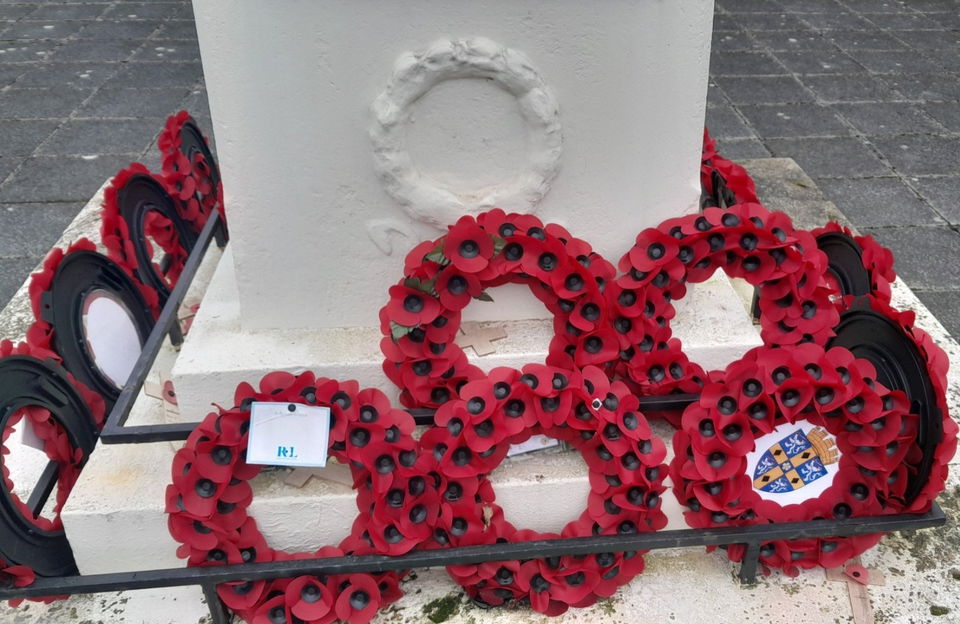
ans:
x=933 y=6
x=10 y=72
x=197 y=104
x=95 y=50
x=742 y=149
x=101 y=136
x=794 y=120
x=763 y=90
x=947 y=113
x=61 y=11
x=140 y=10
x=877 y=6
x=927 y=39
x=87 y=74
x=177 y=29
x=769 y=21
x=943 y=193
x=733 y=41
x=30 y=230
x=894 y=61
x=725 y=123
x=133 y=102
x=715 y=95
x=50 y=29
x=921 y=155
x=60 y=178
x=7 y=165
x=947 y=58
x=794 y=40
x=819 y=62
x=830 y=158
x=878 y=202
x=21 y=137
x=51 y=102
x=157 y=75
x=112 y=30
x=810 y=6
x=836 y=21
x=174 y=50
x=922 y=254
x=939 y=86
x=864 y=40
x=726 y=22
x=15 y=11
x=945 y=305
x=744 y=64
x=886 y=118
x=749 y=6
x=897 y=21
x=26 y=50
x=13 y=273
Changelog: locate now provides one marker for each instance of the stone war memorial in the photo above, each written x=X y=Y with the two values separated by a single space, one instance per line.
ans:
x=466 y=319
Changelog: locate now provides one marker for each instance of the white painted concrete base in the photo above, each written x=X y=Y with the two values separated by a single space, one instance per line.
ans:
x=711 y=321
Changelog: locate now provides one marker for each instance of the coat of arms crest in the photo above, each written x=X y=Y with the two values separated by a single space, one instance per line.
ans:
x=796 y=460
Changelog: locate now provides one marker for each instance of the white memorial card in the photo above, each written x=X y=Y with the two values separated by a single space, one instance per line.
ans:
x=288 y=434
x=535 y=443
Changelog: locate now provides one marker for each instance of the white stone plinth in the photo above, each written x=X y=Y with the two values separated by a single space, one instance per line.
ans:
x=346 y=131
x=711 y=321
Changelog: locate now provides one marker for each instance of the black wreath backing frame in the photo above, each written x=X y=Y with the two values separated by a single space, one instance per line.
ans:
x=208 y=500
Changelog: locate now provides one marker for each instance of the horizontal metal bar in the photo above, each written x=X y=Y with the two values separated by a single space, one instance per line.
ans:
x=113 y=430
x=175 y=577
x=140 y=434
x=43 y=488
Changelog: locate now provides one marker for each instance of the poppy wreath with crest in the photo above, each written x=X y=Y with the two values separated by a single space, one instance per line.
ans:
x=56 y=446
x=794 y=434
x=441 y=277
x=745 y=241
x=115 y=235
x=626 y=471
x=398 y=507
x=192 y=181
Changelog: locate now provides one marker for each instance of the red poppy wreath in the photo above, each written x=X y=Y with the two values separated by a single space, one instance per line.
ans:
x=746 y=241
x=41 y=332
x=57 y=447
x=598 y=418
x=194 y=181
x=736 y=178
x=158 y=229
x=208 y=500
x=877 y=261
x=442 y=276
x=793 y=434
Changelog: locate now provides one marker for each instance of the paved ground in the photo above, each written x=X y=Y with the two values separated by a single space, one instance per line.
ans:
x=84 y=90
x=863 y=94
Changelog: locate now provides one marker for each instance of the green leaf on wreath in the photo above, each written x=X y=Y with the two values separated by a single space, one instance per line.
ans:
x=498 y=244
x=485 y=296
x=398 y=331
x=436 y=255
x=426 y=287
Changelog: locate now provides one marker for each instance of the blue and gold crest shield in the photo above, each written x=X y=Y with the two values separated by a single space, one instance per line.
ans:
x=794 y=461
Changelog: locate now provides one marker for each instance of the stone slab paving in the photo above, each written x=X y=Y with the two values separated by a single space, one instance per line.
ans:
x=84 y=90
x=865 y=96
